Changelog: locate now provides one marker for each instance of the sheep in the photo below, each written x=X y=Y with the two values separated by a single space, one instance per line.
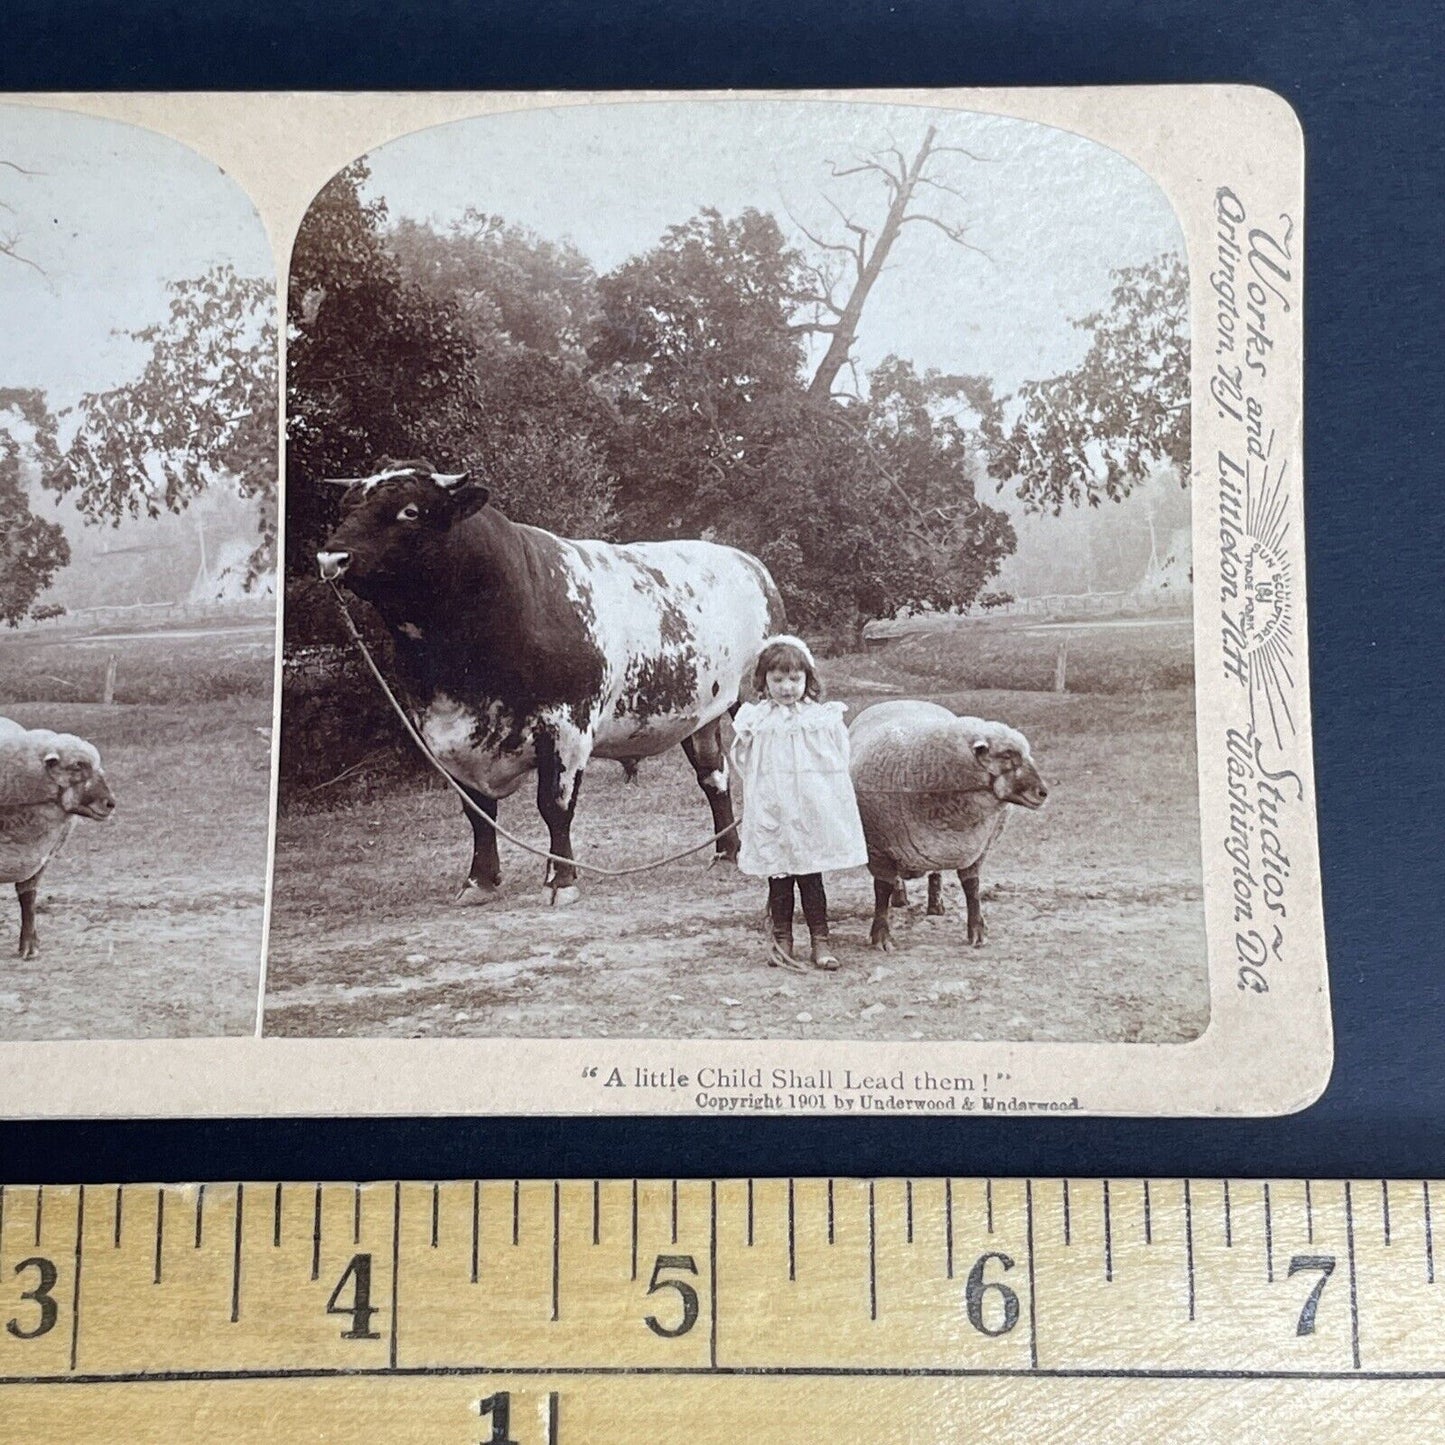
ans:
x=932 y=789
x=47 y=780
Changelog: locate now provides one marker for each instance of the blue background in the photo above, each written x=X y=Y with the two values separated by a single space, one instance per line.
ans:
x=1366 y=80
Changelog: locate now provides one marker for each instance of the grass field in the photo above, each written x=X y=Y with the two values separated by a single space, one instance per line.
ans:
x=1094 y=905
x=150 y=924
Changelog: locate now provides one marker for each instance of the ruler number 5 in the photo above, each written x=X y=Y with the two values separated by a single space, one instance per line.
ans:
x=1325 y=1263
x=685 y=1291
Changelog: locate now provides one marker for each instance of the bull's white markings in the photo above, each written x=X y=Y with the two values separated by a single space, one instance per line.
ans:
x=448 y=726
x=718 y=779
x=411 y=630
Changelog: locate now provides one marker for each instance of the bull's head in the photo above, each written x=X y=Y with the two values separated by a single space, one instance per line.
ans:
x=392 y=522
x=73 y=767
x=1003 y=754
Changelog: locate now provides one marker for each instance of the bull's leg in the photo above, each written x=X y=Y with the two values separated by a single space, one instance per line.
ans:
x=879 y=935
x=704 y=751
x=29 y=939
x=935 y=895
x=900 y=894
x=976 y=931
x=485 y=875
x=558 y=781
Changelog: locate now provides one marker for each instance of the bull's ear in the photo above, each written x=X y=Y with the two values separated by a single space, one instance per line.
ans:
x=53 y=763
x=980 y=748
x=465 y=493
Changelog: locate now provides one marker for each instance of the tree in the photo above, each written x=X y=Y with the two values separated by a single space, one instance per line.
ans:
x=10 y=239
x=1100 y=430
x=32 y=550
x=903 y=180
x=202 y=410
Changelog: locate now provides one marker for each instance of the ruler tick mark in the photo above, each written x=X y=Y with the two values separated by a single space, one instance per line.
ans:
x=712 y=1273
x=674 y=1211
x=395 y=1266
x=908 y=1195
x=356 y=1214
x=119 y=1207
x=1108 y=1239
x=554 y=1410
x=1189 y=1244
x=988 y=1202
x=160 y=1232
x=596 y=1211
x=1429 y=1237
x=1354 y=1296
x=516 y=1211
x=476 y=1225
x=792 y=1248
x=39 y=1211
x=872 y=1257
x=556 y=1249
x=435 y=1213
x=830 y=1211
x=276 y=1223
x=948 y=1224
x=200 y=1214
x=1228 y=1224
x=1268 y=1237
x=316 y=1236
x=1068 y=1231
x=750 y=1211
x=75 y=1293
x=634 y=1229
x=1385 y=1205
x=236 y=1257
x=1309 y=1215
x=1148 y=1222
x=1033 y=1293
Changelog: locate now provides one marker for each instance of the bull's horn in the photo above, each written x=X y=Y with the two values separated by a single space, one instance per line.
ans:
x=341 y=481
x=450 y=481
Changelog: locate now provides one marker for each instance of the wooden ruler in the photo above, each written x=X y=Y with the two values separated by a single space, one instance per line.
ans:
x=577 y=1312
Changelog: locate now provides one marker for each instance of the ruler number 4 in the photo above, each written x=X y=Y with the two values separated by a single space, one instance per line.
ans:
x=1325 y=1263
x=361 y=1309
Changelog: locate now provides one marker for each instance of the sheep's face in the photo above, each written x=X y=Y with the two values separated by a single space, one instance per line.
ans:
x=1012 y=775
x=74 y=767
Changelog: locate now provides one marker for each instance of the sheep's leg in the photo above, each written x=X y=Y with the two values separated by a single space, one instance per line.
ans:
x=29 y=939
x=976 y=931
x=935 y=895
x=879 y=935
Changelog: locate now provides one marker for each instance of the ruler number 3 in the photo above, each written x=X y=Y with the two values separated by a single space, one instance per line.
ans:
x=41 y=1295
x=1325 y=1263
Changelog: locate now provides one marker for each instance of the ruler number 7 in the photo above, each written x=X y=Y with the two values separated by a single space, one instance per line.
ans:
x=1325 y=1263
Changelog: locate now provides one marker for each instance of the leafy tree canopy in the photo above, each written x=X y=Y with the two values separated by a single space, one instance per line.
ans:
x=1097 y=431
x=32 y=550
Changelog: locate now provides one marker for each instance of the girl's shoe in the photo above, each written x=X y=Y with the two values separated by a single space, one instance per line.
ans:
x=823 y=956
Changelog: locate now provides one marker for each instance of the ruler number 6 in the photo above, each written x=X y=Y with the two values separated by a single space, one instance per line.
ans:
x=685 y=1291
x=1325 y=1263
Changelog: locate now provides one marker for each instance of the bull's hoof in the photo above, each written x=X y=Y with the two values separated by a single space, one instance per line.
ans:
x=900 y=894
x=881 y=938
x=563 y=897
x=474 y=893
x=30 y=947
x=977 y=933
x=724 y=864
x=935 y=909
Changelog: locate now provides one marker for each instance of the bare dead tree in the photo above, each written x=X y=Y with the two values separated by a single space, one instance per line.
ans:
x=864 y=254
x=10 y=240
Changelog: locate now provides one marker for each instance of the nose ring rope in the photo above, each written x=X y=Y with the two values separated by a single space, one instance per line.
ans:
x=467 y=803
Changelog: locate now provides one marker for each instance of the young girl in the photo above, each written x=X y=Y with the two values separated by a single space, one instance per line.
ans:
x=799 y=813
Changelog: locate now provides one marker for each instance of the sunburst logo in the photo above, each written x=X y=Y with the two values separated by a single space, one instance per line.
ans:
x=1266 y=597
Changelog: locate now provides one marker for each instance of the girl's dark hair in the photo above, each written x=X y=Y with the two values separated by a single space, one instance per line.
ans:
x=777 y=656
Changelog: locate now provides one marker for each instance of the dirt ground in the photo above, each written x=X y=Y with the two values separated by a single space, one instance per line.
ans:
x=150 y=924
x=1094 y=910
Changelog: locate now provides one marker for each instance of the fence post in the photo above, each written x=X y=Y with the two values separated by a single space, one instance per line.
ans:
x=108 y=696
x=1061 y=667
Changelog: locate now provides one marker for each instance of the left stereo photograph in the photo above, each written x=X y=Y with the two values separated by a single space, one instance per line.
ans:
x=138 y=479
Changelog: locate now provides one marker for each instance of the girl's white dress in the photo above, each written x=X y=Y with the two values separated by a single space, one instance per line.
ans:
x=799 y=811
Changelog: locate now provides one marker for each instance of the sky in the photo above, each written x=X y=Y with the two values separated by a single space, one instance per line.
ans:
x=112 y=214
x=1054 y=212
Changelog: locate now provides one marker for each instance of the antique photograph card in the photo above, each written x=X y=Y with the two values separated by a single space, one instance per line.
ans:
x=789 y=603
